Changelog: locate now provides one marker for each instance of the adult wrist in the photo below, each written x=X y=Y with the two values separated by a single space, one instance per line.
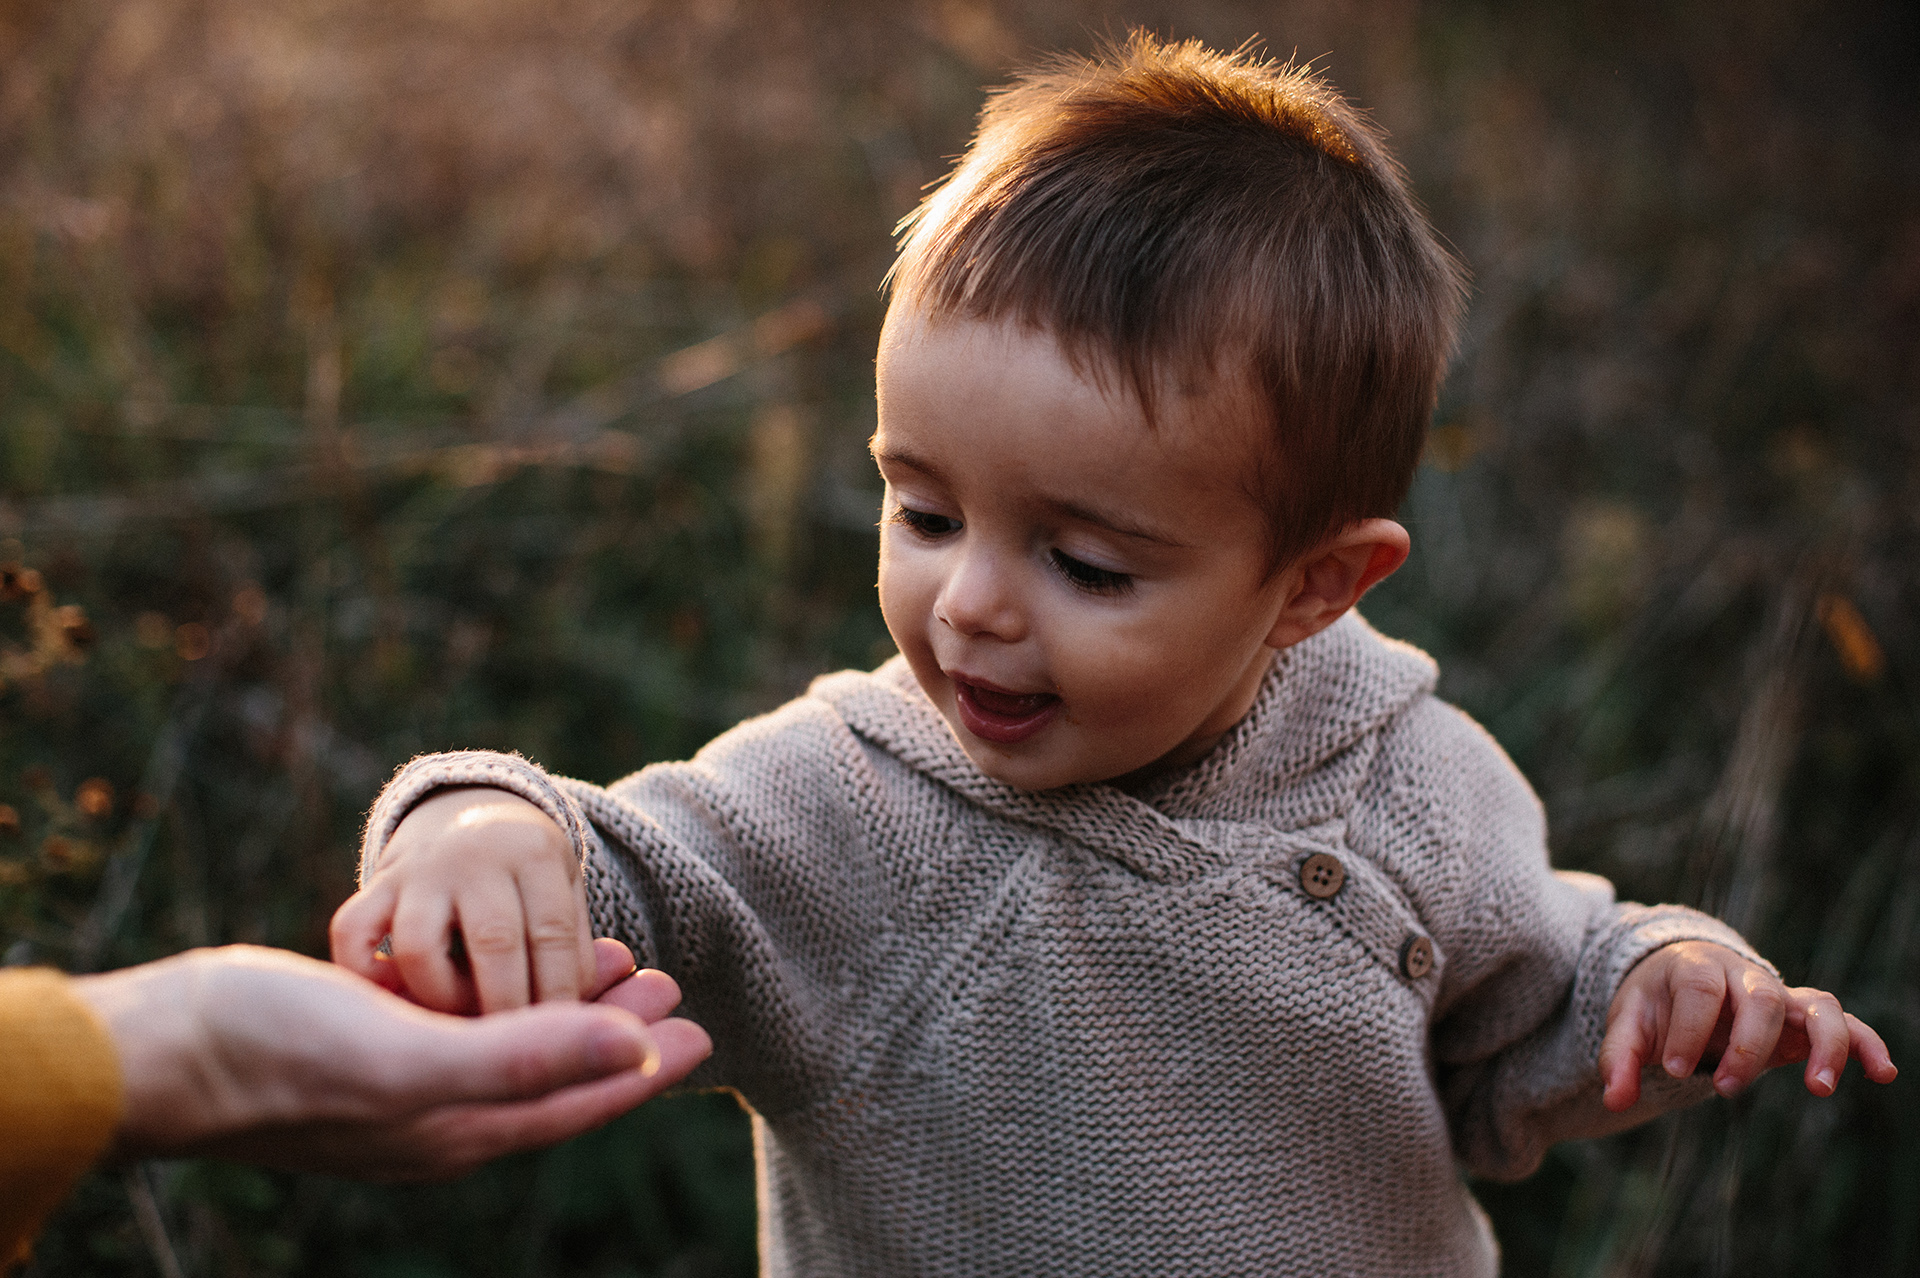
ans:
x=151 y=1017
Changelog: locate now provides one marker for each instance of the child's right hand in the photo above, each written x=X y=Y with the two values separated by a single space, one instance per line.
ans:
x=482 y=897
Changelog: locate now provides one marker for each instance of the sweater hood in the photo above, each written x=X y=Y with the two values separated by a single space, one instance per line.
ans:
x=1320 y=698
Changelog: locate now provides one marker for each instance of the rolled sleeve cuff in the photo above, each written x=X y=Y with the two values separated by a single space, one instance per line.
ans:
x=61 y=1098
x=430 y=773
x=1642 y=929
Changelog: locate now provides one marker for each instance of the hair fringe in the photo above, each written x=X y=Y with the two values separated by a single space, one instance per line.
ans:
x=1189 y=219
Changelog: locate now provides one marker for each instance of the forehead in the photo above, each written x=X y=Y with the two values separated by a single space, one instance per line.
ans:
x=957 y=385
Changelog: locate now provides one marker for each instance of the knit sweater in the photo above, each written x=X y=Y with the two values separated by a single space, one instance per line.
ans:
x=1253 y=1020
x=60 y=1100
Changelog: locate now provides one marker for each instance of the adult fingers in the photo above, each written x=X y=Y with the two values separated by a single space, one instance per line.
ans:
x=421 y=942
x=438 y=1132
x=681 y=1045
x=359 y=925
x=612 y=964
x=559 y=939
x=470 y=1135
x=515 y=1055
x=437 y=1143
x=493 y=931
x=527 y=1054
x=1760 y=1009
x=1871 y=1051
x=1828 y=1038
x=649 y=994
x=1696 y=991
x=1625 y=1049
x=455 y=1139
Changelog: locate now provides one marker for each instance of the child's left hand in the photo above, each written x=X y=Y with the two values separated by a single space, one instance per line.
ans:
x=1686 y=1000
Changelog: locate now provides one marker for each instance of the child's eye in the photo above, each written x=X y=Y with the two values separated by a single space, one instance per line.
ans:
x=925 y=523
x=1096 y=581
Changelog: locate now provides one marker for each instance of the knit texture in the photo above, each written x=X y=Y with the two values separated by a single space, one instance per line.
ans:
x=987 y=1031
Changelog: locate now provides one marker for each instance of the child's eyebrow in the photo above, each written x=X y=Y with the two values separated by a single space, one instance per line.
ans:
x=1113 y=523
x=896 y=457
x=1073 y=510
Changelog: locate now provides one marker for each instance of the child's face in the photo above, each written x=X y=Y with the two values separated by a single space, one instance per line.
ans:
x=1082 y=596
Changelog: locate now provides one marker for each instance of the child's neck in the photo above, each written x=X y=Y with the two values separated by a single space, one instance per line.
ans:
x=1194 y=749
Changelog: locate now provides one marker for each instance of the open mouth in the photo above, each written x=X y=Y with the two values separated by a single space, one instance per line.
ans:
x=1000 y=716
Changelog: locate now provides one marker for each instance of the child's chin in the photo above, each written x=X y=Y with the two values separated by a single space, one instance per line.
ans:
x=1032 y=773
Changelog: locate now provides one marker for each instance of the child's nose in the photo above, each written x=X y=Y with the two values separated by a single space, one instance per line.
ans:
x=978 y=600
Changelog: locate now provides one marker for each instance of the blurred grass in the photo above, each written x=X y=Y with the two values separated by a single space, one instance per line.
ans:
x=376 y=379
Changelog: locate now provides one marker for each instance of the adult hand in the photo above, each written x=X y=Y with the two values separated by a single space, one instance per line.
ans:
x=269 y=1057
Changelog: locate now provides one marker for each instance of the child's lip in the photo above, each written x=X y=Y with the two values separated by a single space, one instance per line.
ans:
x=995 y=714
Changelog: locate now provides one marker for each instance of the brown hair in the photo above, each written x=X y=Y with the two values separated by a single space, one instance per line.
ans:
x=1171 y=213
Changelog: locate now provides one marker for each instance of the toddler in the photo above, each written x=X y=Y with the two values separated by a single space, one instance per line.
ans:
x=1147 y=914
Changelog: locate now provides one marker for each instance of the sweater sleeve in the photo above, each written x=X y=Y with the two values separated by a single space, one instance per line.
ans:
x=60 y=1100
x=748 y=874
x=1533 y=956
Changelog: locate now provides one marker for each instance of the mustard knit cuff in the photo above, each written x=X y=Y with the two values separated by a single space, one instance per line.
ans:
x=60 y=1100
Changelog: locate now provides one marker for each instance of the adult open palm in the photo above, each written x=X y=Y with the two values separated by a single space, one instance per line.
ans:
x=274 y=1058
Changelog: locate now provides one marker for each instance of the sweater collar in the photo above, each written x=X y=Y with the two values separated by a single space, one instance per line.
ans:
x=1319 y=698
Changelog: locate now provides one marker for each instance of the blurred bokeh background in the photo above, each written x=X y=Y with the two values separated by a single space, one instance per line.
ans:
x=380 y=378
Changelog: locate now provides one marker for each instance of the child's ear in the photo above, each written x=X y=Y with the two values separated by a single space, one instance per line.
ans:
x=1329 y=579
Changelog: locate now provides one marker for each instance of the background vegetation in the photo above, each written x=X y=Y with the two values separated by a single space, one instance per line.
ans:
x=378 y=378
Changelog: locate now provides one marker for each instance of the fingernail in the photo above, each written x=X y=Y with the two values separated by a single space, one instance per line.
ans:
x=1825 y=1079
x=1676 y=1066
x=1727 y=1086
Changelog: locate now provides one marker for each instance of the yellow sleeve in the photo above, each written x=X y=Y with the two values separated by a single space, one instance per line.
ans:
x=60 y=1100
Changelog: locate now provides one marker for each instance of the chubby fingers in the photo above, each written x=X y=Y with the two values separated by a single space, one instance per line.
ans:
x=1630 y=1041
x=1696 y=991
x=480 y=900
x=526 y=939
x=421 y=942
x=418 y=933
x=522 y=906
x=493 y=934
x=1675 y=1004
x=1816 y=1016
x=1759 y=1013
x=1833 y=1036
x=1870 y=1050
x=357 y=928
x=612 y=963
x=1807 y=1022
x=559 y=938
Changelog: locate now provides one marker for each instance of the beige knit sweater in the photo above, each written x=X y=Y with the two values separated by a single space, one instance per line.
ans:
x=992 y=1032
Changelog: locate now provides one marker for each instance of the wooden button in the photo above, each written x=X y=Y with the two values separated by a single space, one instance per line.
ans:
x=1416 y=957
x=1321 y=875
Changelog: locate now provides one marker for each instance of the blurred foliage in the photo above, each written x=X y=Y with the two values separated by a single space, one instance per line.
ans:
x=380 y=378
